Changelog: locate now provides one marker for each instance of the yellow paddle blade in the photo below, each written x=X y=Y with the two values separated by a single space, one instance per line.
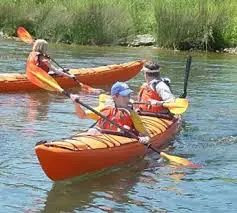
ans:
x=103 y=99
x=178 y=103
x=179 y=160
x=137 y=121
x=42 y=79
x=179 y=106
x=92 y=115
x=24 y=35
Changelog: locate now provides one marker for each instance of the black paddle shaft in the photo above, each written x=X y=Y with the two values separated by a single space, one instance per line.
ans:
x=187 y=71
x=74 y=78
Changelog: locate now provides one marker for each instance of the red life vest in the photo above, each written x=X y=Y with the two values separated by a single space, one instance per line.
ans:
x=121 y=116
x=39 y=60
x=145 y=94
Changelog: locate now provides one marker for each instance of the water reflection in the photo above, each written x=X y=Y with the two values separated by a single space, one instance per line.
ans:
x=102 y=191
x=37 y=106
x=33 y=106
x=112 y=190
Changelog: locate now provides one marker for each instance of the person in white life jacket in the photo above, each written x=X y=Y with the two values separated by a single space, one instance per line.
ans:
x=155 y=91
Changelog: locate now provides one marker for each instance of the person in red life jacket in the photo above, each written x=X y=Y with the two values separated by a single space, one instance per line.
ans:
x=39 y=57
x=119 y=113
x=155 y=91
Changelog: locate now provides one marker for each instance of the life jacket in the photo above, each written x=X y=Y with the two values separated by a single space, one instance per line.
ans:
x=121 y=116
x=39 y=60
x=145 y=94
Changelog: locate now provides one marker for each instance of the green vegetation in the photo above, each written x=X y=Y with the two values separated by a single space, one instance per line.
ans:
x=179 y=24
x=202 y=24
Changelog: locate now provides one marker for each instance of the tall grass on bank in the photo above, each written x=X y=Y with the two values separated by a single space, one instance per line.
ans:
x=72 y=21
x=201 y=24
x=86 y=22
x=179 y=24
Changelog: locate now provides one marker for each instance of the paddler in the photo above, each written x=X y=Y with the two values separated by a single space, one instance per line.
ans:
x=39 y=57
x=120 y=112
x=155 y=91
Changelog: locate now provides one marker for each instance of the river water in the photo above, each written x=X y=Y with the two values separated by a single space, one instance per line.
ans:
x=208 y=136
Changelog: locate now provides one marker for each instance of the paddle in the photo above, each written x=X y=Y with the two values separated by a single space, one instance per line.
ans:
x=178 y=107
x=25 y=36
x=186 y=76
x=45 y=81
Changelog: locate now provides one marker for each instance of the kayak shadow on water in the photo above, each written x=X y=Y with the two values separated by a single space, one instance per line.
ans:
x=82 y=193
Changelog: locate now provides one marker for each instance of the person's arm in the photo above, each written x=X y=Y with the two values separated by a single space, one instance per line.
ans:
x=59 y=71
x=164 y=92
x=81 y=113
x=154 y=102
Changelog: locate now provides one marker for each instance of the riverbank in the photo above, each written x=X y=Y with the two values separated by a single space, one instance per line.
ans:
x=134 y=44
x=182 y=25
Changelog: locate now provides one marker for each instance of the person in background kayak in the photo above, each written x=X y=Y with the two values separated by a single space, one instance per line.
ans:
x=39 y=57
x=119 y=113
x=155 y=91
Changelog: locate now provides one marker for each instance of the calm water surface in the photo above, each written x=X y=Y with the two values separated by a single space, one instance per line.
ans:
x=208 y=136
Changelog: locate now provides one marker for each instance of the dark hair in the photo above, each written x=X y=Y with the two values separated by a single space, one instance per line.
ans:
x=153 y=74
x=152 y=65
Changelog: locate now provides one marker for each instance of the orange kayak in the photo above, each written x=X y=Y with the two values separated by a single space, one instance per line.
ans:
x=81 y=154
x=104 y=75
